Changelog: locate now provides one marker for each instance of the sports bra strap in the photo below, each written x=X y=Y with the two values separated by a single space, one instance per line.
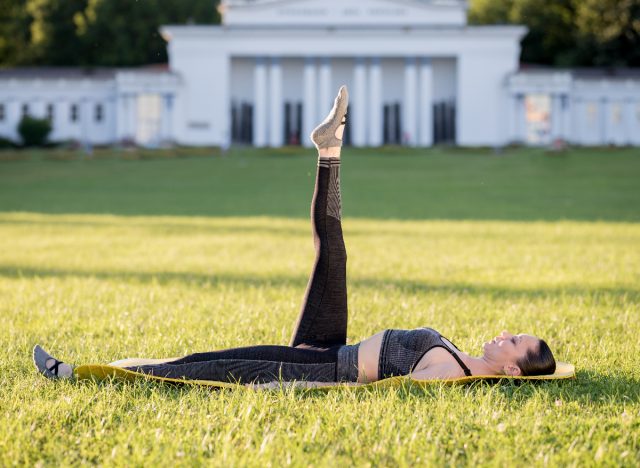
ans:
x=466 y=370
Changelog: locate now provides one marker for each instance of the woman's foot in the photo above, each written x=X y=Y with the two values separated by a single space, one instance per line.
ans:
x=329 y=133
x=49 y=366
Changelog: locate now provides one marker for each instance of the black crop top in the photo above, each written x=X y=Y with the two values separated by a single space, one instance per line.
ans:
x=401 y=350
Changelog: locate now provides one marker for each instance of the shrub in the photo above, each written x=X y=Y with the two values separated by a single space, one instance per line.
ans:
x=34 y=132
x=5 y=143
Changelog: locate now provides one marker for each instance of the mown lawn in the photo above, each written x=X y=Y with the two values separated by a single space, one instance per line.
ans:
x=160 y=254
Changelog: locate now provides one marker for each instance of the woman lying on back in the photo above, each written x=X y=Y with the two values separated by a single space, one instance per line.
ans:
x=318 y=351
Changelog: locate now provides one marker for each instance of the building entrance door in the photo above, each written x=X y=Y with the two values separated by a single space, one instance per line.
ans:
x=392 y=126
x=242 y=123
x=444 y=123
x=292 y=123
x=538 y=118
x=149 y=128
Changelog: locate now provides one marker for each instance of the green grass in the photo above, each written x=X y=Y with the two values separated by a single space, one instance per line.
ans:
x=145 y=254
x=390 y=183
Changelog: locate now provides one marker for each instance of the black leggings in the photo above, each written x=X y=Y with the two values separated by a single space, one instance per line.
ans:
x=321 y=328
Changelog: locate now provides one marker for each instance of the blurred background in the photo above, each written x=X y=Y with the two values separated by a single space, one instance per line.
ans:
x=261 y=73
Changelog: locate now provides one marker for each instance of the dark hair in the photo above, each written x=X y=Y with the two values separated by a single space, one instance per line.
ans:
x=539 y=362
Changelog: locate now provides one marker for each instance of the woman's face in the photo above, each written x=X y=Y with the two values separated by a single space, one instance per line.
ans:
x=505 y=350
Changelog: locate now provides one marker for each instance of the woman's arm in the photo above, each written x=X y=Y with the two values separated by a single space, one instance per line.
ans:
x=438 y=372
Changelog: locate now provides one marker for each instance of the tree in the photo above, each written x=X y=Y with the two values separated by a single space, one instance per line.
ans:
x=490 y=11
x=93 y=32
x=125 y=33
x=570 y=32
x=15 y=32
x=53 y=32
x=609 y=32
x=551 y=39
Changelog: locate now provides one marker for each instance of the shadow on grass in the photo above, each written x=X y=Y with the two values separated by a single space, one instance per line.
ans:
x=408 y=286
x=590 y=388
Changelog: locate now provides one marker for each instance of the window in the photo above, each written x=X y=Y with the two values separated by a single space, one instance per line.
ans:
x=75 y=113
x=1 y=112
x=25 y=110
x=99 y=115
x=50 y=112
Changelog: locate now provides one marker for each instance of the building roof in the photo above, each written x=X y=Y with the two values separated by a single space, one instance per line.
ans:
x=595 y=73
x=75 y=73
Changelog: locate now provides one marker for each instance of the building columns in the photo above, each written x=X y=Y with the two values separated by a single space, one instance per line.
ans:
x=326 y=93
x=426 y=102
x=120 y=130
x=110 y=119
x=375 y=102
x=410 y=118
x=631 y=119
x=126 y=123
x=12 y=117
x=604 y=112
x=565 y=105
x=260 y=103
x=132 y=116
x=359 y=121
x=167 y=119
x=556 y=117
x=309 y=106
x=276 y=129
x=520 y=119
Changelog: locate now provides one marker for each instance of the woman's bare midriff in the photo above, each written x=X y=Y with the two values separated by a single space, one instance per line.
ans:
x=368 y=357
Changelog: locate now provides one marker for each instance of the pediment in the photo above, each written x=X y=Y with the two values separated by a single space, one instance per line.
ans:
x=328 y=13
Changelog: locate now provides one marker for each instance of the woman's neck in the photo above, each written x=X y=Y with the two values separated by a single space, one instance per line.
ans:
x=480 y=365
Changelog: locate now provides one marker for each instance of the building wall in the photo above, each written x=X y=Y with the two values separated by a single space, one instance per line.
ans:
x=445 y=79
x=579 y=110
x=136 y=106
x=468 y=66
x=63 y=95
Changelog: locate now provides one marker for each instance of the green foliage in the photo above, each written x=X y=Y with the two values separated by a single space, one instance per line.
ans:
x=33 y=131
x=15 y=33
x=93 y=32
x=550 y=40
x=611 y=32
x=122 y=32
x=126 y=32
x=570 y=32
x=95 y=288
x=54 y=40
x=6 y=143
x=524 y=184
x=490 y=11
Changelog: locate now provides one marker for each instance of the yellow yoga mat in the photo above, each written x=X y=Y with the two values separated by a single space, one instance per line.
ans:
x=115 y=371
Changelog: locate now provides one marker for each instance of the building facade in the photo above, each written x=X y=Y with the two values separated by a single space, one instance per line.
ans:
x=99 y=107
x=419 y=75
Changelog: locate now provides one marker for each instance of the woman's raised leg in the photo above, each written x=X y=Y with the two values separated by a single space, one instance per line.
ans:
x=322 y=321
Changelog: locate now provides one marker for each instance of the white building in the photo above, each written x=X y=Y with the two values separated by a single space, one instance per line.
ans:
x=101 y=106
x=418 y=76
